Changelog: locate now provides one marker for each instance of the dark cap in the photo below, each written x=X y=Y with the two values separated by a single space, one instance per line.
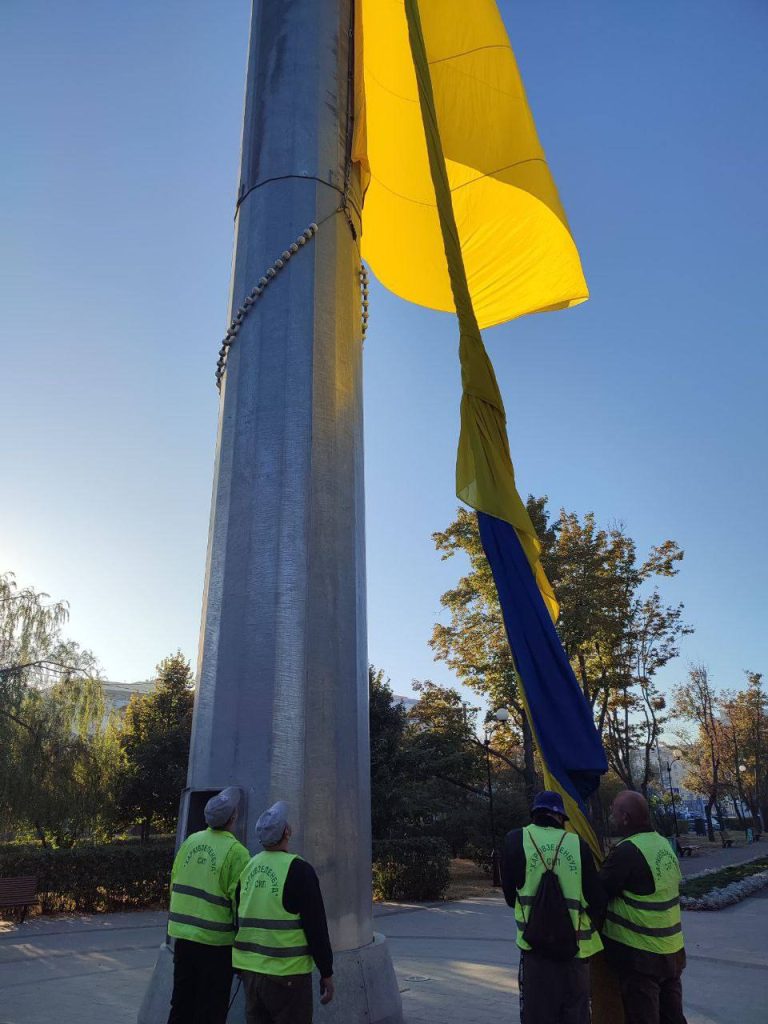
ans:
x=546 y=800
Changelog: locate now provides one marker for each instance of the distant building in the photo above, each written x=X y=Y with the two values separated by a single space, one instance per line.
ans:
x=118 y=695
x=406 y=703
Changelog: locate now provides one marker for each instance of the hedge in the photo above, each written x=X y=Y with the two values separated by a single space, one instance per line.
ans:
x=411 y=869
x=87 y=879
x=127 y=876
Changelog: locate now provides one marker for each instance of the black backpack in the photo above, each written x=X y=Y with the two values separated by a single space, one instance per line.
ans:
x=549 y=930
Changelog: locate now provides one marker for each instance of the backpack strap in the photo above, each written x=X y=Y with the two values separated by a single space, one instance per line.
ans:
x=543 y=861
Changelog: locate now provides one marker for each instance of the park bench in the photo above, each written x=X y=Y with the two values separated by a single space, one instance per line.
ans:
x=18 y=894
x=684 y=851
x=727 y=843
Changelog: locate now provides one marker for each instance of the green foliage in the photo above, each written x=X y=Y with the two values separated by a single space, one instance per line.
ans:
x=88 y=879
x=155 y=740
x=389 y=770
x=474 y=643
x=411 y=869
x=615 y=628
x=59 y=755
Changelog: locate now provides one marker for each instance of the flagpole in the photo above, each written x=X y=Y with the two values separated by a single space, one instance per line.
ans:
x=281 y=709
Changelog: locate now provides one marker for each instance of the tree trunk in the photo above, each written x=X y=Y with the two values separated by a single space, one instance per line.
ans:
x=597 y=816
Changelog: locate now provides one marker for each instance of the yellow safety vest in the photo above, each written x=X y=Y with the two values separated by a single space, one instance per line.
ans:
x=568 y=871
x=653 y=922
x=269 y=940
x=200 y=908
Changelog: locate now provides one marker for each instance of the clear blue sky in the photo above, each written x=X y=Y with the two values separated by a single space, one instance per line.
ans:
x=120 y=128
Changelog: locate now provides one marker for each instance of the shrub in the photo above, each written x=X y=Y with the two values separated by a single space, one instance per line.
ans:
x=87 y=879
x=411 y=869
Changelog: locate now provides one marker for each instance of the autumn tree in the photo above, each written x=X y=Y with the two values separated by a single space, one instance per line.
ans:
x=614 y=625
x=155 y=740
x=743 y=717
x=697 y=702
x=474 y=643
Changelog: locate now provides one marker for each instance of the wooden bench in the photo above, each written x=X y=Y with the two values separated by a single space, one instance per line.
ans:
x=684 y=851
x=18 y=894
x=727 y=843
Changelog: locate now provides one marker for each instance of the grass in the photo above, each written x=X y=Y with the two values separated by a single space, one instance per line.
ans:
x=719 y=879
x=468 y=880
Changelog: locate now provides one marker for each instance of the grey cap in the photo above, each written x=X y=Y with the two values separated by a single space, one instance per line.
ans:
x=271 y=825
x=221 y=807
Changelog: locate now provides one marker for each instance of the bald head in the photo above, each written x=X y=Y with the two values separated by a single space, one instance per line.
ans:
x=630 y=812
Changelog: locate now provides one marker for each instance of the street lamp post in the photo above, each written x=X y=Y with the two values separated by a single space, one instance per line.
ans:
x=502 y=715
x=742 y=771
x=672 y=794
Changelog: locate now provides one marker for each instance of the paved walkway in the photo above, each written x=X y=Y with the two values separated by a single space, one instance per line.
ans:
x=456 y=963
x=717 y=857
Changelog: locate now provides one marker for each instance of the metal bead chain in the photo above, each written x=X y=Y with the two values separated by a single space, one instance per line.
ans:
x=256 y=293
x=364 y=300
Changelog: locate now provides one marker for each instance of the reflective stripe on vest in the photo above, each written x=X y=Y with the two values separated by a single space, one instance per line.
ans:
x=200 y=910
x=269 y=940
x=652 y=922
x=568 y=871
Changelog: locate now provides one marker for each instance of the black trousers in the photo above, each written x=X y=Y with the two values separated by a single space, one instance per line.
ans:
x=552 y=991
x=650 y=1000
x=202 y=979
x=277 y=1000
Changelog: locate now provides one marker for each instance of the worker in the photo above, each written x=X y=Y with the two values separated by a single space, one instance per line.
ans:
x=549 y=877
x=203 y=886
x=282 y=929
x=643 y=932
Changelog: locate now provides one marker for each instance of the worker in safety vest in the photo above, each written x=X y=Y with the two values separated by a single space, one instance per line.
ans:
x=643 y=934
x=203 y=886
x=553 y=990
x=282 y=929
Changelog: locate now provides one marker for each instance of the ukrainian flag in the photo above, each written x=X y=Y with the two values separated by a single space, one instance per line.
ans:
x=461 y=213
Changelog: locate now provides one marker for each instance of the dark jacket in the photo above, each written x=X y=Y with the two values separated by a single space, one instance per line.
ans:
x=625 y=869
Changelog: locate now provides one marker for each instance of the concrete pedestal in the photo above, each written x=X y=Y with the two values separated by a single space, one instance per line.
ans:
x=366 y=989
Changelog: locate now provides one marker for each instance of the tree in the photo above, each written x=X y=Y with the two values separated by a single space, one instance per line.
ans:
x=155 y=740
x=389 y=773
x=474 y=644
x=617 y=634
x=59 y=757
x=742 y=769
x=696 y=701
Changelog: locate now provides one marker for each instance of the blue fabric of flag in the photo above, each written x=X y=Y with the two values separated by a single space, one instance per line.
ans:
x=559 y=712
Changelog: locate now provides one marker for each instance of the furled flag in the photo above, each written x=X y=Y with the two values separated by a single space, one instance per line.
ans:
x=461 y=213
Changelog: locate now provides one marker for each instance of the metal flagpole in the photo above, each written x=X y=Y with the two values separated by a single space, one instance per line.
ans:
x=281 y=708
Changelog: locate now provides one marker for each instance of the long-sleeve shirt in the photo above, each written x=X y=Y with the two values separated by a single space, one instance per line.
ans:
x=513 y=866
x=302 y=896
x=625 y=869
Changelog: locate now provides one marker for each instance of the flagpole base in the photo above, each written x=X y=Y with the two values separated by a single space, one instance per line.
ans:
x=366 y=989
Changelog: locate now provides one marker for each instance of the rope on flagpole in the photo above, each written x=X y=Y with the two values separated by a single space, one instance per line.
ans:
x=264 y=282
x=255 y=294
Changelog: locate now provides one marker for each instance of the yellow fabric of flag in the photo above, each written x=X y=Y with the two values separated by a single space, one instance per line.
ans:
x=515 y=242
x=485 y=475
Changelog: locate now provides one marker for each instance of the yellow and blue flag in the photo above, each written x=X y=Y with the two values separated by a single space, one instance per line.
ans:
x=461 y=213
